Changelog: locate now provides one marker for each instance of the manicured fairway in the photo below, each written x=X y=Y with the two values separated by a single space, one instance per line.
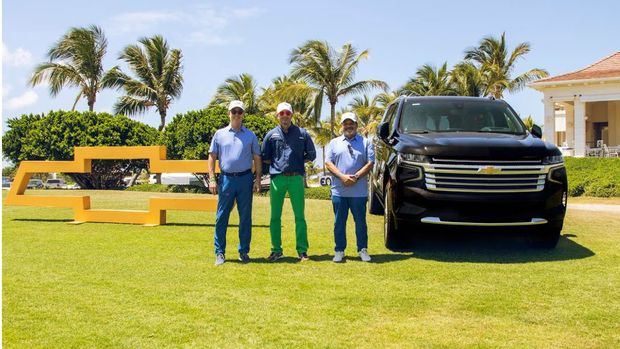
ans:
x=124 y=286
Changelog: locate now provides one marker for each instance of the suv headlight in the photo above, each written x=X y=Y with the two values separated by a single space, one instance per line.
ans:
x=553 y=159
x=402 y=157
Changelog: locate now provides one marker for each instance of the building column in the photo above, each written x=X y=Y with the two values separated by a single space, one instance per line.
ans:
x=549 y=130
x=580 y=128
x=570 y=124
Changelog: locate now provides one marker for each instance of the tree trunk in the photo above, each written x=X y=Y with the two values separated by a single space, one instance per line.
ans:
x=333 y=116
x=162 y=123
x=91 y=103
x=133 y=179
x=324 y=173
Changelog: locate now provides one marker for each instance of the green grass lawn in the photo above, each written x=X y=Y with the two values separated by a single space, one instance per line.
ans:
x=114 y=285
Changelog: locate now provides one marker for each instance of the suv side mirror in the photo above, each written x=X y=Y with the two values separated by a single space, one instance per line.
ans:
x=383 y=131
x=536 y=131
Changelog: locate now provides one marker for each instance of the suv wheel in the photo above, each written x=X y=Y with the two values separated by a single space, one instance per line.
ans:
x=375 y=206
x=390 y=233
x=546 y=237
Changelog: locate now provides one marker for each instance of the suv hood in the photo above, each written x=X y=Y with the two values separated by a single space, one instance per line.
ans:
x=474 y=145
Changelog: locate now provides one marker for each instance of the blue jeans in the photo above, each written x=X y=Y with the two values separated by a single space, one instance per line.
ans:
x=231 y=188
x=342 y=205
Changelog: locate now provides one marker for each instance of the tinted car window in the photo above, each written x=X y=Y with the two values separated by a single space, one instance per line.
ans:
x=458 y=116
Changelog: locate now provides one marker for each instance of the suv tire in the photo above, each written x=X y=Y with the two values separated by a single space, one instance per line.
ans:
x=375 y=206
x=546 y=238
x=392 y=236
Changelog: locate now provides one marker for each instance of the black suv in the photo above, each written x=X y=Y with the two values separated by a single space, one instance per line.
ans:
x=464 y=162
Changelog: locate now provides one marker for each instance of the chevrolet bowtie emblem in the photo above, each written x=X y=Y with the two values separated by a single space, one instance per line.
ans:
x=489 y=170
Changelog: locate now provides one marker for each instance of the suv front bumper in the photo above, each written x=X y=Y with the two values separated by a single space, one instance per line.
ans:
x=422 y=206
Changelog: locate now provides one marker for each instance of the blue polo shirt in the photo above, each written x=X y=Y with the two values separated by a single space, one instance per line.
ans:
x=349 y=156
x=234 y=149
x=288 y=151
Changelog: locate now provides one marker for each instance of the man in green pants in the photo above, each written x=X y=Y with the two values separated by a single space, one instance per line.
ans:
x=286 y=148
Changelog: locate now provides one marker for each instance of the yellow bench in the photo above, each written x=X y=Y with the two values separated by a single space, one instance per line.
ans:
x=81 y=163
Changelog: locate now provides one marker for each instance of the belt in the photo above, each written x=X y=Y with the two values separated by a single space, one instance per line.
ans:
x=288 y=174
x=237 y=174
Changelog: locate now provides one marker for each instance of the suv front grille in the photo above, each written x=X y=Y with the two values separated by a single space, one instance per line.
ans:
x=484 y=176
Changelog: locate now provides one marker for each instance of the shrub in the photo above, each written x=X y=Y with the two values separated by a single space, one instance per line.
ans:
x=320 y=193
x=593 y=176
x=54 y=135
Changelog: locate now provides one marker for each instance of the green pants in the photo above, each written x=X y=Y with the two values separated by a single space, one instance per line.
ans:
x=295 y=187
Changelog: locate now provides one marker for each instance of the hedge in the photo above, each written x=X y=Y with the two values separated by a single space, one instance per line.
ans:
x=320 y=193
x=598 y=177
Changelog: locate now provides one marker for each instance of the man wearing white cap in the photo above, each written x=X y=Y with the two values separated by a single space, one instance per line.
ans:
x=286 y=148
x=235 y=147
x=349 y=158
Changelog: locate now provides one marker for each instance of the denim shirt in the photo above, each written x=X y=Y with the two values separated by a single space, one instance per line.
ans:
x=288 y=151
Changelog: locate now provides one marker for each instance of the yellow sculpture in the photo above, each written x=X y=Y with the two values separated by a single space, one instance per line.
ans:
x=81 y=163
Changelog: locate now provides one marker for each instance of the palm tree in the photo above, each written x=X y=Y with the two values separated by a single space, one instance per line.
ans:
x=301 y=96
x=385 y=98
x=467 y=80
x=529 y=122
x=75 y=61
x=323 y=134
x=158 y=78
x=429 y=81
x=368 y=113
x=243 y=88
x=497 y=65
x=331 y=72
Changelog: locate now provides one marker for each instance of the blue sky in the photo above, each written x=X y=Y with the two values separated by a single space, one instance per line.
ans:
x=226 y=38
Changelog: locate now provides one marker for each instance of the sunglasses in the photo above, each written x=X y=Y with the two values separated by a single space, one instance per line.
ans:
x=285 y=113
x=237 y=111
x=350 y=149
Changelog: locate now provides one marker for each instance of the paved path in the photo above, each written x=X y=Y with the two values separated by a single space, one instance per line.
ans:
x=595 y=207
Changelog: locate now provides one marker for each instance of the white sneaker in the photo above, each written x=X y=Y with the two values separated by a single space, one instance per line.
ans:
x=220 y=259
x=364 y=255
x=338 y=256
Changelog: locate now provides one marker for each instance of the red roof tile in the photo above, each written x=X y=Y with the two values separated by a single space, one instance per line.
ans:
x=608 y=67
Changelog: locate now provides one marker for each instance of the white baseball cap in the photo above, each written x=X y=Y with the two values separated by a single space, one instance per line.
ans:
x=284 y=106
x=348 y=116
x=235 y=104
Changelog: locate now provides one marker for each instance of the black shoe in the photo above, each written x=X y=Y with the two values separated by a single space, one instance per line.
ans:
x=244 y=258
x=274 y=256
x=303 y=256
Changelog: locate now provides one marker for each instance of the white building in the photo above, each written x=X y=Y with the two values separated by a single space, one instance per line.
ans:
x=590 y=99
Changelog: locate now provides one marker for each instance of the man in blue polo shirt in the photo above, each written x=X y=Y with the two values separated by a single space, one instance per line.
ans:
x=235 y=147
x=349 y=158
x=286 y=148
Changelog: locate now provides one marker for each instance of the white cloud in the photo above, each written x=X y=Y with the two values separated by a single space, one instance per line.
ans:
x=6 y=89
x=204 y=24
x=141 y=21
x=246 y=12
x=23 y=100
x=17 y=58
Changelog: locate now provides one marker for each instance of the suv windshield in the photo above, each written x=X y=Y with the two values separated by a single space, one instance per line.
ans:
x=458 y=116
